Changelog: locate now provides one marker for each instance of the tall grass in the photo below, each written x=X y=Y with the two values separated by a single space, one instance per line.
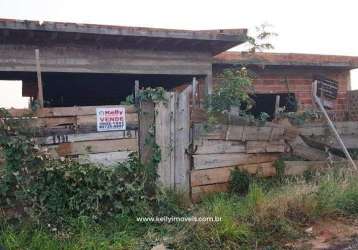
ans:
x=82 y=235
x=267 y=216
x=273 y=216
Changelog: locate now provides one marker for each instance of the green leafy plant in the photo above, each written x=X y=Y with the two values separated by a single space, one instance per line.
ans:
x=53 y=190
x=231 y=92
x=280 y=169
x=152 y=94
x=240 y=181
x=260 y=41
x=129 y=100
x=231 y=95
x=231 y=100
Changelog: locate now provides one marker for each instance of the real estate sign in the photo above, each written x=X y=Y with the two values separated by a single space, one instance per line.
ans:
x=109 y=119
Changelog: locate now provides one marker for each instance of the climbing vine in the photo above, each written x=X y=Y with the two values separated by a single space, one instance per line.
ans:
x=148 y=94
x=53 y=190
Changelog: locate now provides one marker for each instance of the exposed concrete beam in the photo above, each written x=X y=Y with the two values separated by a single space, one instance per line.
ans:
x=238 y=35
x=93 y=60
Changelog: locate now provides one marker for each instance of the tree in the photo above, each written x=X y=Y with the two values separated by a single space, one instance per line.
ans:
x=260 y=41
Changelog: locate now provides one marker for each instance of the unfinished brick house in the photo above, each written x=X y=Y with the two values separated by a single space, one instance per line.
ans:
x=86 y=67
x=84 y=64
x=278 y=73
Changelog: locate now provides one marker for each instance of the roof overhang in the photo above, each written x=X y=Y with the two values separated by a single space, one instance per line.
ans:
x=213 y=41
x=286 y=59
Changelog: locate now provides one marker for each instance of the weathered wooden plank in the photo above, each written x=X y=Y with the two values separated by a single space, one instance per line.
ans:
x=225 y=160
x=222 y=175
x=163 y=138
x=309 y=153
x=299 y=167
x=182 y=140
x=71 y=129
x=308 y=131
x=146 y=123
x=172 y=106
x=105 y=159
x=300 y=148
x=198 y=115
x=350 y=141
x=77 y=111
x=235 y=133
x=255 y=133
x=110 y=135
x=214 y=132
x=206 y=146
x=265 y=146
x=343 y=128
x=277 y=133
x=53 y=121
x=90 y=147
x=20 y=112
x=197 y=193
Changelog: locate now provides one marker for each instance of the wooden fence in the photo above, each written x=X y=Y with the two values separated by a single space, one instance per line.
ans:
x=72 y=132
x=216 y=152
x=195 y=158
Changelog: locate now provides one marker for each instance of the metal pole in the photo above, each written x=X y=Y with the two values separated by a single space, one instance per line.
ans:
x=331 y=125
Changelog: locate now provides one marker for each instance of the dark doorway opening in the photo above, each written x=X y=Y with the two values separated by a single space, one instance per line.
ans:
x=266 y=103
x=79 y=89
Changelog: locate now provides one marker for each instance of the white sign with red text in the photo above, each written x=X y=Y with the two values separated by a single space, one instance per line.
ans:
x=109 y=119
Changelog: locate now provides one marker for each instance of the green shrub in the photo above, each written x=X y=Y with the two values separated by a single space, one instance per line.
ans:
x=229 y=233
x=327 y=195
x=348 y=200
x=54 y=190
x=239 y=181
x=60 y=189
x=252 y=202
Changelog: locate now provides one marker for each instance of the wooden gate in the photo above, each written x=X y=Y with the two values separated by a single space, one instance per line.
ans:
x=172 y=130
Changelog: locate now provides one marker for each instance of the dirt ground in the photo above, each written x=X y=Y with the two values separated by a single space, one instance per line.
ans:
x=329 y=234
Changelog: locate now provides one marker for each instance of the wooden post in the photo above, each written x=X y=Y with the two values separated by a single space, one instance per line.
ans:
x=277 y=106
x=182 y=141
x=40 y=96
x=146 y=123
x=208 y=84
x=136 y=92
x=164 y=139
x=195 y=84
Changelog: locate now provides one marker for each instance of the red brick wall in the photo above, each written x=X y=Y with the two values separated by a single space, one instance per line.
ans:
x=298 y=80
x=353 y=105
